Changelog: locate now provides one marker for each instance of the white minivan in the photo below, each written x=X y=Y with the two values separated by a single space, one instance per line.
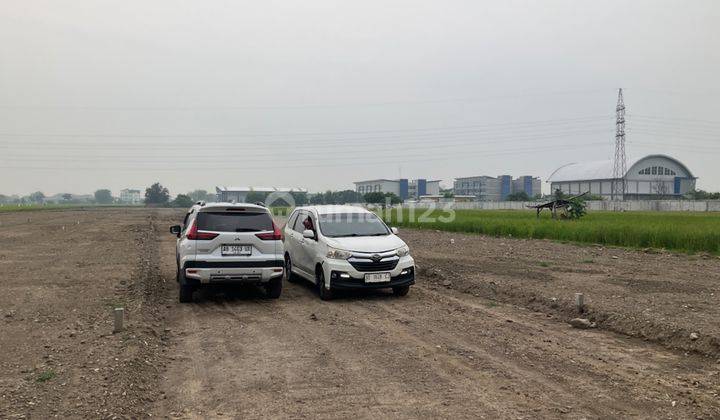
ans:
x=345 y=247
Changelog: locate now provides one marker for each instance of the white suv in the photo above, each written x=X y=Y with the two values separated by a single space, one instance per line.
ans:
x=228 y=243
x=346 y=247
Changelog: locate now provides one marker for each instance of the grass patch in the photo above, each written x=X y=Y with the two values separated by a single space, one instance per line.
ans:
x=687 y=232
x=45 y=376
x=588 y=261
x=544 y=264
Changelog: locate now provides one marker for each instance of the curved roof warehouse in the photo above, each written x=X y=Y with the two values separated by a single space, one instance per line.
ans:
x=650 y=177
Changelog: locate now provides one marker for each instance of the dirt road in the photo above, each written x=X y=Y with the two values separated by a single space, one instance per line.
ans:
x=441 y=351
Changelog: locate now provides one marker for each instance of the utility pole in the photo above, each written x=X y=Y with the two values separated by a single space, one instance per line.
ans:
x=619 y=185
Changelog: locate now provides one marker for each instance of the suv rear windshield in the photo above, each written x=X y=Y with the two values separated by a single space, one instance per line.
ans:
x=338 y=225
x=234 y=222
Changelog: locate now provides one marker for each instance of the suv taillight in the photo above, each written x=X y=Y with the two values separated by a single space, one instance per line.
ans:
x=193 y=234
x=276 y=235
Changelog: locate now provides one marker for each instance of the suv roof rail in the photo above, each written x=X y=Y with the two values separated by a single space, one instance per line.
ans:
x=200 y=203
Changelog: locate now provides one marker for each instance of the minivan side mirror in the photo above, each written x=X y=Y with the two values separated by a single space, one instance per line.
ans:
x=394 y=230
x=307 y=233
x=175 y=230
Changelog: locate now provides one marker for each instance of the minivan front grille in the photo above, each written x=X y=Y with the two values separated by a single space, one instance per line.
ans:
x=370 y=265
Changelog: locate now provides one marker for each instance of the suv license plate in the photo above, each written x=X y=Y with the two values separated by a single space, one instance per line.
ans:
x=377 y=277
x=236 y=249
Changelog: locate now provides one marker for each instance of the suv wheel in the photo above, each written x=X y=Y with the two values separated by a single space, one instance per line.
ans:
x=185 y=294
x=289 y=275
x=401 y=291
x=274 y=288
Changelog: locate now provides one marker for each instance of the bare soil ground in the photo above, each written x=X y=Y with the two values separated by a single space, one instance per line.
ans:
x=479 y=336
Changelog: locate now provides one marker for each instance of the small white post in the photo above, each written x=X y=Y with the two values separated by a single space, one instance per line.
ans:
x=579 y=302
x=119 y=314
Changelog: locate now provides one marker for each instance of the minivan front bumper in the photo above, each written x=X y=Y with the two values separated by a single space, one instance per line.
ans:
x=341 y=274
x=349 y=283
x=208 y=272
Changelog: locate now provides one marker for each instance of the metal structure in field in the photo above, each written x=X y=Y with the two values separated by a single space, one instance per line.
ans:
x=555 y=205
x=620 y=163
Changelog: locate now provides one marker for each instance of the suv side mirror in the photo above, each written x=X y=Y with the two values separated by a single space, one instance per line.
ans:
x=307 y=233
x=394 y=230
x=175 y=230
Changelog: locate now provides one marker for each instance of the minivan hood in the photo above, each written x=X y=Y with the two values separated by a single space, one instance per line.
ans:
x=366 y=243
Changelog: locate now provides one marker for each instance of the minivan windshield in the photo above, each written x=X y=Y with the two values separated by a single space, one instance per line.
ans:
x=234 y=222
x=339 y=225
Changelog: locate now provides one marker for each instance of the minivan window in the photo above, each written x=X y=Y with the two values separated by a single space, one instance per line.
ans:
x=234 y=222
x=340 y=225
x=299 y=222
x=291 y=220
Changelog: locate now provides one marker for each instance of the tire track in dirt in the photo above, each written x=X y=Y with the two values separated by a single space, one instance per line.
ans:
x=371 y=355
x=583 y=374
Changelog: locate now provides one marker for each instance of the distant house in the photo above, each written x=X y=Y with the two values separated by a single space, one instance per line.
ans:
x=130 y=196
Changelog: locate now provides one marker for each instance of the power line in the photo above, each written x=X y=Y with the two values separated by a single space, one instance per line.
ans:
x=442 y=141
x=519 y=124
x=489 y=98
x=355 y=162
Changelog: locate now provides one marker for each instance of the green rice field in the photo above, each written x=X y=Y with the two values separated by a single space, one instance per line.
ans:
x=687 y=232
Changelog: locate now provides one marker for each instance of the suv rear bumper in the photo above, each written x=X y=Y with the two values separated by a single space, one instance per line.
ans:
x=247 y=272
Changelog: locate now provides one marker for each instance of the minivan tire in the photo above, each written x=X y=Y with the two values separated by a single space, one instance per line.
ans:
x=291 y=277
x=274 y=288
x=323 y=292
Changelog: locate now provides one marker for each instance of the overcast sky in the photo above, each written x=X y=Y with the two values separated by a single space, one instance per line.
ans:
x=318 y=94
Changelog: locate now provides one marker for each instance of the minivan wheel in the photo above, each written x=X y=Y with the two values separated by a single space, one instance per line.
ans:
x=289 y=275
x=323 y=292
x=401 y=291
x=274 y=288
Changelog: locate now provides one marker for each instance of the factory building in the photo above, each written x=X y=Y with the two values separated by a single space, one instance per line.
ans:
x=404 y=188
x=239 y=194
x=650 y=177
x=487 y=188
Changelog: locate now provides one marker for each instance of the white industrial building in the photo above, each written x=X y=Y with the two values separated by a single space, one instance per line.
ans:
x=653 y=176
x=403 y=188
x=239 y=194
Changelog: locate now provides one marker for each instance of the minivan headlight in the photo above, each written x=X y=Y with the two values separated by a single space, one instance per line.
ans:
x=338 y=254
x=402 y=251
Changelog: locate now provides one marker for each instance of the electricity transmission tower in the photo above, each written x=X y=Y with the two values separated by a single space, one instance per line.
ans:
x=620 y=164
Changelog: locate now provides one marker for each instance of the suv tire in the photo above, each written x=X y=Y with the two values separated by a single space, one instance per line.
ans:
x=401 y=290
x=185 y=294
x=323 y=292
x=274 y=288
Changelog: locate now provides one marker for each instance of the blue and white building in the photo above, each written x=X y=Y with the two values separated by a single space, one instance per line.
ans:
x=487 y=188
x=406 y=189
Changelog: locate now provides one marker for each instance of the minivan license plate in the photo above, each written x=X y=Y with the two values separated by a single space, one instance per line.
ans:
x=236 y=249
x=377 y=277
